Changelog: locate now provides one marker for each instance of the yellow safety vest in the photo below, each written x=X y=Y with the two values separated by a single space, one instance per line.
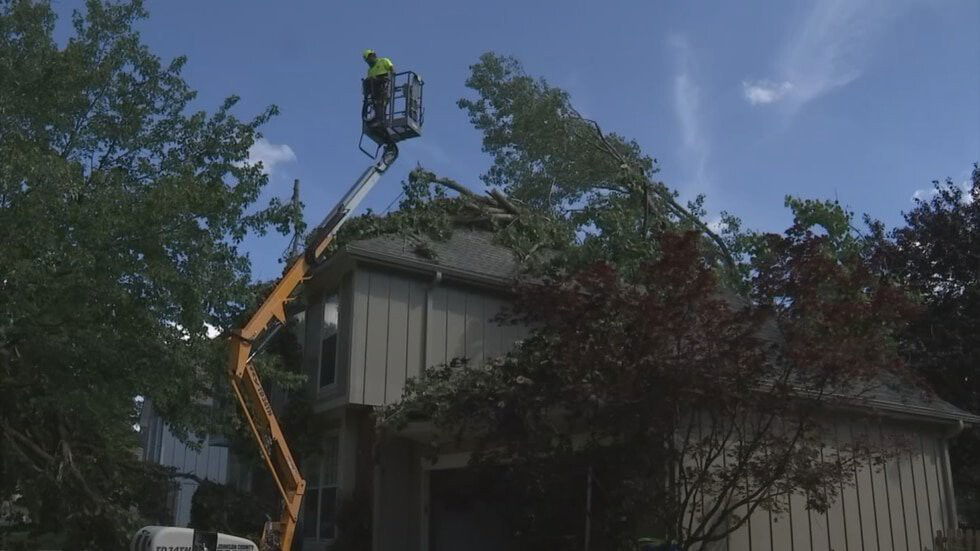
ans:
x=382 y=66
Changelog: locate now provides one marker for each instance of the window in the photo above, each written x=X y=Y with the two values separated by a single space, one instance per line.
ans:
x=328 y=342
x=320 y=501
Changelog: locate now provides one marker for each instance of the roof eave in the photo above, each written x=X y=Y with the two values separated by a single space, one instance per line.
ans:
x=421 y=267
x=922 y=412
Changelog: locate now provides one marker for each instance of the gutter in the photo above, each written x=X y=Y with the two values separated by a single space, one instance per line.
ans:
x=494 y=282
x=959 y=421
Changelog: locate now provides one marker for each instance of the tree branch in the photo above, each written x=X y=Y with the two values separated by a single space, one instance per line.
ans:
x=504 y=202
x=73 y=468
x=31 y=445
x=657 y=187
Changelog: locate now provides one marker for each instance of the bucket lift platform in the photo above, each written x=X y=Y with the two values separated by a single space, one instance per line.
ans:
x=403 y=117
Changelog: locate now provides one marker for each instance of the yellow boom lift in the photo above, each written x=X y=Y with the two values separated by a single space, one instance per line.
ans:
x=402 y=121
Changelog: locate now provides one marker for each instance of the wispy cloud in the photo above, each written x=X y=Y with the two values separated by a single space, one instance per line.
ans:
x=270 y=155
x=687 y=101
x=687 y=106
x=763 y=91
x=828 y=49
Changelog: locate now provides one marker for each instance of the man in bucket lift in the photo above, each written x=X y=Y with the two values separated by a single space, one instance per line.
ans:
x=376 y=85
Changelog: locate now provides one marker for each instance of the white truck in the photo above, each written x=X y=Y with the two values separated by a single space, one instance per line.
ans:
x=169 y=538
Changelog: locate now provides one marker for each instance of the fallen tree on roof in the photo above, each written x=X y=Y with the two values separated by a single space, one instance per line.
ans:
x=642 y=388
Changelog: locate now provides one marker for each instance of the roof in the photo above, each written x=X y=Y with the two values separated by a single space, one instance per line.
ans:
x=887 y=393
x=472 y=255
x=466 y=254
x=895 y=397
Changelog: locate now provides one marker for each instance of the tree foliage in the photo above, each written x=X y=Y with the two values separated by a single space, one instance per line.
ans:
x=677 y=398
x=220 y=508
x=121 y=211
x=586 y=193
x=541 y=151
x=937 y=255
x=548 y=156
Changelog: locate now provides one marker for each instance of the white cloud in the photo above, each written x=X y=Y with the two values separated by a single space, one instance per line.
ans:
x=764 y=91
x=924 y=194
x=927 y=194
x=687 y=108
x=716 y=224
x=270 y=154
x=828 y=49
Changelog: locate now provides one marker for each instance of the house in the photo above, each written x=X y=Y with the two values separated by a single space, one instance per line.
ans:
x=210 y=460
x=380 y=309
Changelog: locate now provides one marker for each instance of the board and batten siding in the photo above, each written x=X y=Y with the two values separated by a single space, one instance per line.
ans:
x=899 y=506
x=401 y=323
x=207 y=461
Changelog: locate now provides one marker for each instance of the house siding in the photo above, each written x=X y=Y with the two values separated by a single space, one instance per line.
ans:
x=410 y=323
x=898 y=506
x=394 y=323
x=161 y=446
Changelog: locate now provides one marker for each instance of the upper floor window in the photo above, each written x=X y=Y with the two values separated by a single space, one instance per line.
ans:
x=328 y=342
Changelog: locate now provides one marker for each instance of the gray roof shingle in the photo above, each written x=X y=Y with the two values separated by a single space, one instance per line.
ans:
x=466 y=252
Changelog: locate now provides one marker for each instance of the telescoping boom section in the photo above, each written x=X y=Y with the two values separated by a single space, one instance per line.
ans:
x=247 y=341
x=402 y=121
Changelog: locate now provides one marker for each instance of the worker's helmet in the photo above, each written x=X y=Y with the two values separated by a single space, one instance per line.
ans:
x=367 y=53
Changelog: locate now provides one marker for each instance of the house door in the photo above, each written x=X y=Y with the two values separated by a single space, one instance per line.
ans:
x=463 y=515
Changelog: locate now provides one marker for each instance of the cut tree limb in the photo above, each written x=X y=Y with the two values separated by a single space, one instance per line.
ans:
x=503 y=201
x=657 y=188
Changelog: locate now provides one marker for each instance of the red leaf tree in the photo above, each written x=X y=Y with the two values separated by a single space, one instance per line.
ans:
x=663 y=401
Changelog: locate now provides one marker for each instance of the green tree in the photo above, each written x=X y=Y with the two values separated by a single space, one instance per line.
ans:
x=121 y=214
x=550 y=158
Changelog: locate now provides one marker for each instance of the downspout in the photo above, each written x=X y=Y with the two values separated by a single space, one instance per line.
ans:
x=588 y=509
x=424 y=502
x=436 y=281
x=949 y=434
x=955 y=430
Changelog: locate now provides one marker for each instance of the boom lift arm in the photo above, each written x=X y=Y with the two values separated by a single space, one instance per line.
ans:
x=247 y=341
x=401 y=120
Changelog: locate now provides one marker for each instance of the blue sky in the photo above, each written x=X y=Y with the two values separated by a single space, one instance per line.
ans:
x=863 y=100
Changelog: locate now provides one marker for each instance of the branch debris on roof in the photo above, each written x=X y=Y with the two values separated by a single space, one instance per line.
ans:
x=428 y=213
